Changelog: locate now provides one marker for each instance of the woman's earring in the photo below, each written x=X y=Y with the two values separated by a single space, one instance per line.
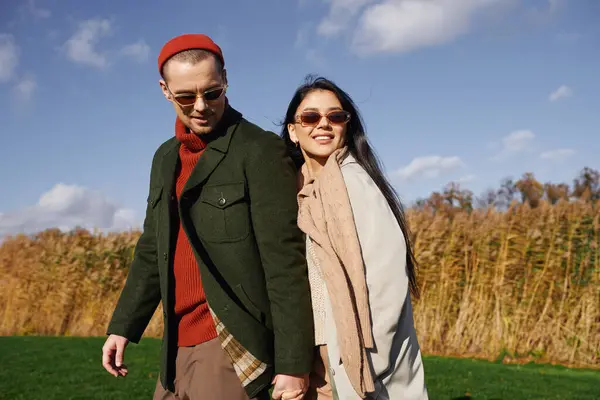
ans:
x=298 y=145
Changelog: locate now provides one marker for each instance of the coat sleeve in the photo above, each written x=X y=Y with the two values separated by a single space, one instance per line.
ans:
x=141 y=294
x=384 y=254
x=271 y=179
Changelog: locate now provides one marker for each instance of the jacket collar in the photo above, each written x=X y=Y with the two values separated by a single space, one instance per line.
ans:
x=216 y=149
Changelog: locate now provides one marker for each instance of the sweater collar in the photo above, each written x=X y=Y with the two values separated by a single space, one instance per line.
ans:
x=195 y=143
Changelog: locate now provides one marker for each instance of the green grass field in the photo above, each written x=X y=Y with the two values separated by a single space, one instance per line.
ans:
x=70 y=368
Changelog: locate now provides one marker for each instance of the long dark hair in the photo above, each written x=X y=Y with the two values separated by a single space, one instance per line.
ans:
x=358 y=146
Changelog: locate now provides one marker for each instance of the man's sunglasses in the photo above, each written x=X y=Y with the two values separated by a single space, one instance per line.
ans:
x=189 y=99
x=337 y=117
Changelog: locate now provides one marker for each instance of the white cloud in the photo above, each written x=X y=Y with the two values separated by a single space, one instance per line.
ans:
x=518 y=140
x=81 y=47
x=37 y=12
x=558 y=155
x=515 y=142
x=25 y=87
x=340 y=14
x=9 y=57
x=545 y=12
x=9 y=60
x=65 y=207
x=139 y=51
x=315 y=58
x=305 y=45
x=301 y=38
x=552 y=7
x=125 y=219
x=466 y=179
x=429 y=167
x=402 y=25
x=562 y=92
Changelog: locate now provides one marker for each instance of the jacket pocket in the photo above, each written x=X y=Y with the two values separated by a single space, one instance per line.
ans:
x=221 y=215
x=154 y=200
x=249 y=304
x=154 y=196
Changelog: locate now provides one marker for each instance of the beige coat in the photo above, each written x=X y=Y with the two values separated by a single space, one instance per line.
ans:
x=396 y=359
x=326 y=216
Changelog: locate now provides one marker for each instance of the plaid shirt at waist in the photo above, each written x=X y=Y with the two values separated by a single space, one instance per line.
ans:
x=247 y=367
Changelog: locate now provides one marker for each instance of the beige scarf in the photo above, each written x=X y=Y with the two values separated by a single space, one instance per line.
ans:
x=325 y=215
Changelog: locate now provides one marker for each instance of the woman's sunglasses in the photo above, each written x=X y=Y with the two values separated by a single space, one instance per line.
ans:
x=337 y=117
x=189 y=99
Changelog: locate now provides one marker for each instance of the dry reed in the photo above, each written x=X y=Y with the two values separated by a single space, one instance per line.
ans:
x=519 y=285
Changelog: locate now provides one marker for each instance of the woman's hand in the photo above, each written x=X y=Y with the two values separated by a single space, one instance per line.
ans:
x=290 y=387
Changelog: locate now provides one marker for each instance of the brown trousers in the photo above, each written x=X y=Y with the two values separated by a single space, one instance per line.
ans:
x=204 y=372
x=320 y=385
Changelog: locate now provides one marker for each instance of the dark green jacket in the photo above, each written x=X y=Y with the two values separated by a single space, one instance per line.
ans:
x=239 y=212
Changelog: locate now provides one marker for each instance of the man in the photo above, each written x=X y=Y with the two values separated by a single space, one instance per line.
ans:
x=220 y=248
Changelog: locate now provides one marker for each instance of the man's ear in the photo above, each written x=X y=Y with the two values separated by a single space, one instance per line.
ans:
x=224 y=75
x=163 y=87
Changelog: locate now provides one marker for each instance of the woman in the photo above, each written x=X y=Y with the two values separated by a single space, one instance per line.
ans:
x=361 y=264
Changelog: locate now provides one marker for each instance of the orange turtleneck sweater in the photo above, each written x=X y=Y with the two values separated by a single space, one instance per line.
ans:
x=195 y=322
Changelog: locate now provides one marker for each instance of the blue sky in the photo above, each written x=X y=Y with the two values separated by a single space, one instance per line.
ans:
x=451 y=90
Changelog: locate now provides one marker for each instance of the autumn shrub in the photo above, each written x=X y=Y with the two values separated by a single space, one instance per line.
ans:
x=56 y=283
x=523 y=284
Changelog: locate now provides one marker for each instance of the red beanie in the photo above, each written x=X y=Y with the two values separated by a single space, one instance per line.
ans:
x=187 y=42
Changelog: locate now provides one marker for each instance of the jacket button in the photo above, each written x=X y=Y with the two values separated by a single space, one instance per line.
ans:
x=222 y=201
x=165 y=256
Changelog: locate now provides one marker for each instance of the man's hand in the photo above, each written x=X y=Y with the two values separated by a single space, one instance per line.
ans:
x=290 y=387
x=112 y=355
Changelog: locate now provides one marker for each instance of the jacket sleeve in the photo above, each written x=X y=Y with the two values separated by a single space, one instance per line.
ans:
x=271 y=178
x=384 y=254
x=141 y=294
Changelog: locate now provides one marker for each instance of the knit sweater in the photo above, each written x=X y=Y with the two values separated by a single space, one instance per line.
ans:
x=195 y=323
x=318 y=292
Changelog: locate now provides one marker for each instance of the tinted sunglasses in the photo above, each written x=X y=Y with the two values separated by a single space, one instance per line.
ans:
x=337 y=117
x=189 y=99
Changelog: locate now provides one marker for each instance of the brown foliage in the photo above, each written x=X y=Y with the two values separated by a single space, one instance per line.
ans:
x=587 y=185
x=63 y=284
x=531 y=189
x=525 y=282
x=556 y=192
x=452 y=200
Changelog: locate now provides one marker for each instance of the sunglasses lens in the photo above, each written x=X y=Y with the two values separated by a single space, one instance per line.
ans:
x=213 y=94
x=337 y=117
x=190 y=99
x=186 y=100
x=310 y=118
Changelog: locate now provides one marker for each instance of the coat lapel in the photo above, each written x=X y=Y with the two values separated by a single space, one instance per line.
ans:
x=213 y=154
x=204 y=167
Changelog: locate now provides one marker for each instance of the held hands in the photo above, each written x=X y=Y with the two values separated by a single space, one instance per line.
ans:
x=112 y=355
x=290 y=387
